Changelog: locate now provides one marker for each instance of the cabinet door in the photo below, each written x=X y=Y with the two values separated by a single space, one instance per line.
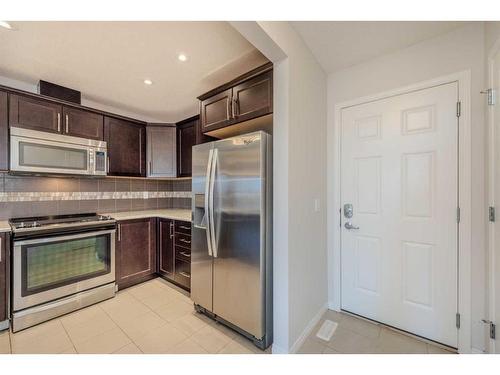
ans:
x=3 y=277
x=4 y=132
x=186 y=139
x=162 y=157
x=166 y=256
x=35 y=114
x=84 y=124
x=135 y=251
x=216 y=111
x=253 y=98
x=126 y=147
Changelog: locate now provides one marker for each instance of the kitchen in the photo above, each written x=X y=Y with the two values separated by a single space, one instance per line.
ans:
x=103 y=211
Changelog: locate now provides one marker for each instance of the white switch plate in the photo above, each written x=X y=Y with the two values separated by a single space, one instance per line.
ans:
x=317 y=205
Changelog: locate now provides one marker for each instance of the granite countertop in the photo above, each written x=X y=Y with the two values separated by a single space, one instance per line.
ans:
x=167 y=213
x=5 y=227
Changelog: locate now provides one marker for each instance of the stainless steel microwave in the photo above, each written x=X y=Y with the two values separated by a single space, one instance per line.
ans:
x=33 y=151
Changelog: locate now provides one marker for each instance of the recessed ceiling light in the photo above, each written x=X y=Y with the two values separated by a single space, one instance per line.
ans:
x=6 y=25
x=148 y=82
x=182 y=57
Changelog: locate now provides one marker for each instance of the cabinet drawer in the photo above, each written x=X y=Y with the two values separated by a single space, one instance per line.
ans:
x=183 y=240
x=183 y=254
x=183 y=273
x=183 y=227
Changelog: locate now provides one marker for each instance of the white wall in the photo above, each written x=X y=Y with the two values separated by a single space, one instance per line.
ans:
x=461 y=49
x=300 y=257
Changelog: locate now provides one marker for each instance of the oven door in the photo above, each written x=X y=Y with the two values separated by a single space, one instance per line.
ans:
x=46 y=269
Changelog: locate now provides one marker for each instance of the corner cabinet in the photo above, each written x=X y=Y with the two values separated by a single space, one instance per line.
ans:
x=245 y=98
x=4 y=279
x=135 y=251
x=4 y=132
x=126 y=143
x=161 y=151
x=175 y=252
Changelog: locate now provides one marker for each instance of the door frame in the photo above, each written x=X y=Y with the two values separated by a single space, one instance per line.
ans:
x=463 y=79
x=492 y=200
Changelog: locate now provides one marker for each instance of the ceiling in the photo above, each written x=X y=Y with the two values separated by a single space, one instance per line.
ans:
x=109 y=61
x=340 y=44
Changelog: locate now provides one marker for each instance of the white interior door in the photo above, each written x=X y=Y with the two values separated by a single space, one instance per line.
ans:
x=399 y=170
x=495 y=113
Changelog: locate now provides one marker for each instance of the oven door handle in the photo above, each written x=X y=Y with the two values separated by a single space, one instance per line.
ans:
x=63 y=238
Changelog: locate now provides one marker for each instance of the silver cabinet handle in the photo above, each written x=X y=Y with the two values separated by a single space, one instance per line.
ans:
x=185 y=274
x=119 y=232
x=58 y=122
x=184 y=227
x=187 y=255
x=171 y=229
x=235 y=104
x=227 y=108
x=67 y=124
x=184 y=240
x=348 y=225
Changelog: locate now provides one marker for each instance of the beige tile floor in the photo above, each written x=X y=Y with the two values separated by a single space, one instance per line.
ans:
x=358 y=336
x=153 y=317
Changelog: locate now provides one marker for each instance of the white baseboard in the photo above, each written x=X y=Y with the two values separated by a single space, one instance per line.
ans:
x=305 y=333
x=333 y=307
x=477 y=351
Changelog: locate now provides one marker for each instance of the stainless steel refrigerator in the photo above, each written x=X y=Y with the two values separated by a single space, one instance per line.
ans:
x=231 y=251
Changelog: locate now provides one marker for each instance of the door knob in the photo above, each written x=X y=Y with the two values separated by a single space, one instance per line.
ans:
x=348 y=225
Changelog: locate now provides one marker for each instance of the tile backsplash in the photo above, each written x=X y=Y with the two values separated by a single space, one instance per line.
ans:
x=22 y=196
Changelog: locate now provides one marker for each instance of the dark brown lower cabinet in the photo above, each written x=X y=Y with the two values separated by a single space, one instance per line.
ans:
x=166 y=255
x=4 y=276
x=175 y=252
x=135 y=251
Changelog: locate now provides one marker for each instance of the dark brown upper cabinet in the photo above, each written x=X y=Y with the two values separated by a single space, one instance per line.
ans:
x=84 y=124
x=135 y=251
x=35 y=114
x=186 y=139
x=247 y=97
x=253 y=98
x=126 y=143
x=43 y=115
x=4 y=132
x=216 y=111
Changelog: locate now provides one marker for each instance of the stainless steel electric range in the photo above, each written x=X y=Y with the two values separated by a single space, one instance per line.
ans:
x=60 y=264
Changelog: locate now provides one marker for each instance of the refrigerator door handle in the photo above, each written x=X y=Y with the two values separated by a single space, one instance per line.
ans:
x=211 y=212
x=207 y=202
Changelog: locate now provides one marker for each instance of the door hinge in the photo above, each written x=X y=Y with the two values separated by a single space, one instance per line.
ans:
x=491 y=95
x=340 y=217
x=492 y=328
x=491 y=214
x=457 y=320
x=459 y=109
x=458 y=214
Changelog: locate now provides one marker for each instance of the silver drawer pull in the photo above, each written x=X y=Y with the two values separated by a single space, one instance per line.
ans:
x=184 y=227
x=183 y=240
x=182 y=273
x=185 y=254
